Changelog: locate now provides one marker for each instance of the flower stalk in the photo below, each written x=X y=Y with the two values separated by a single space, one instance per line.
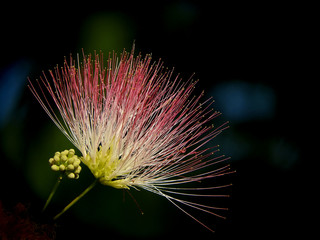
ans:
x=76 y=199
x=54 y=189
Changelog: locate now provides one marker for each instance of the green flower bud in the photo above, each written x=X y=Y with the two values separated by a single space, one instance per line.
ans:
x=71 y=175
x=70 y=167
x=56 y=158
x=71 y=153
x=66 y=162
x=71 y=150
x=64 y=158
x=65 y=152
x=55 y=168
x=72 y=159
x=78 y=170
x=76 y=163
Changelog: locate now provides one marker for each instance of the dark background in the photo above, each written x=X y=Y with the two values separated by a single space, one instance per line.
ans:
x=248 y=57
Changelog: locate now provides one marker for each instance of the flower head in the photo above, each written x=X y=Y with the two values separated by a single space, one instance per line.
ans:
x=66 y=162
x=134 y=123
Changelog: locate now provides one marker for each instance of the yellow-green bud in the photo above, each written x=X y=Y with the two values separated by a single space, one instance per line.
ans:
x=70 y=167
x=76 y=163
x=55 y=168
x=71 y=160
x=66 y=162
x=71 y=153
x=71 y=175
x=64 y=158
x=51 y=160
x=56 y=158
x=78 y=170
x=62 y=168
x=71 y=150
x=65 y=152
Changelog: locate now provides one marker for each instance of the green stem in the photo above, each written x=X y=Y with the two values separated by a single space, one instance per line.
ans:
x=76 y=199
x=54 y=189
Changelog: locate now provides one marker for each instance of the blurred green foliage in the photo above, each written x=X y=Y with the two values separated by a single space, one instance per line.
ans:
x=106 y=32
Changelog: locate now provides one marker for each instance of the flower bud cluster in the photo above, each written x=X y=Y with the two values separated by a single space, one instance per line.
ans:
x=66 y=162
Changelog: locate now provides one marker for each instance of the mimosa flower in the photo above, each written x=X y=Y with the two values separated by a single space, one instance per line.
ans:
x=135 y=124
